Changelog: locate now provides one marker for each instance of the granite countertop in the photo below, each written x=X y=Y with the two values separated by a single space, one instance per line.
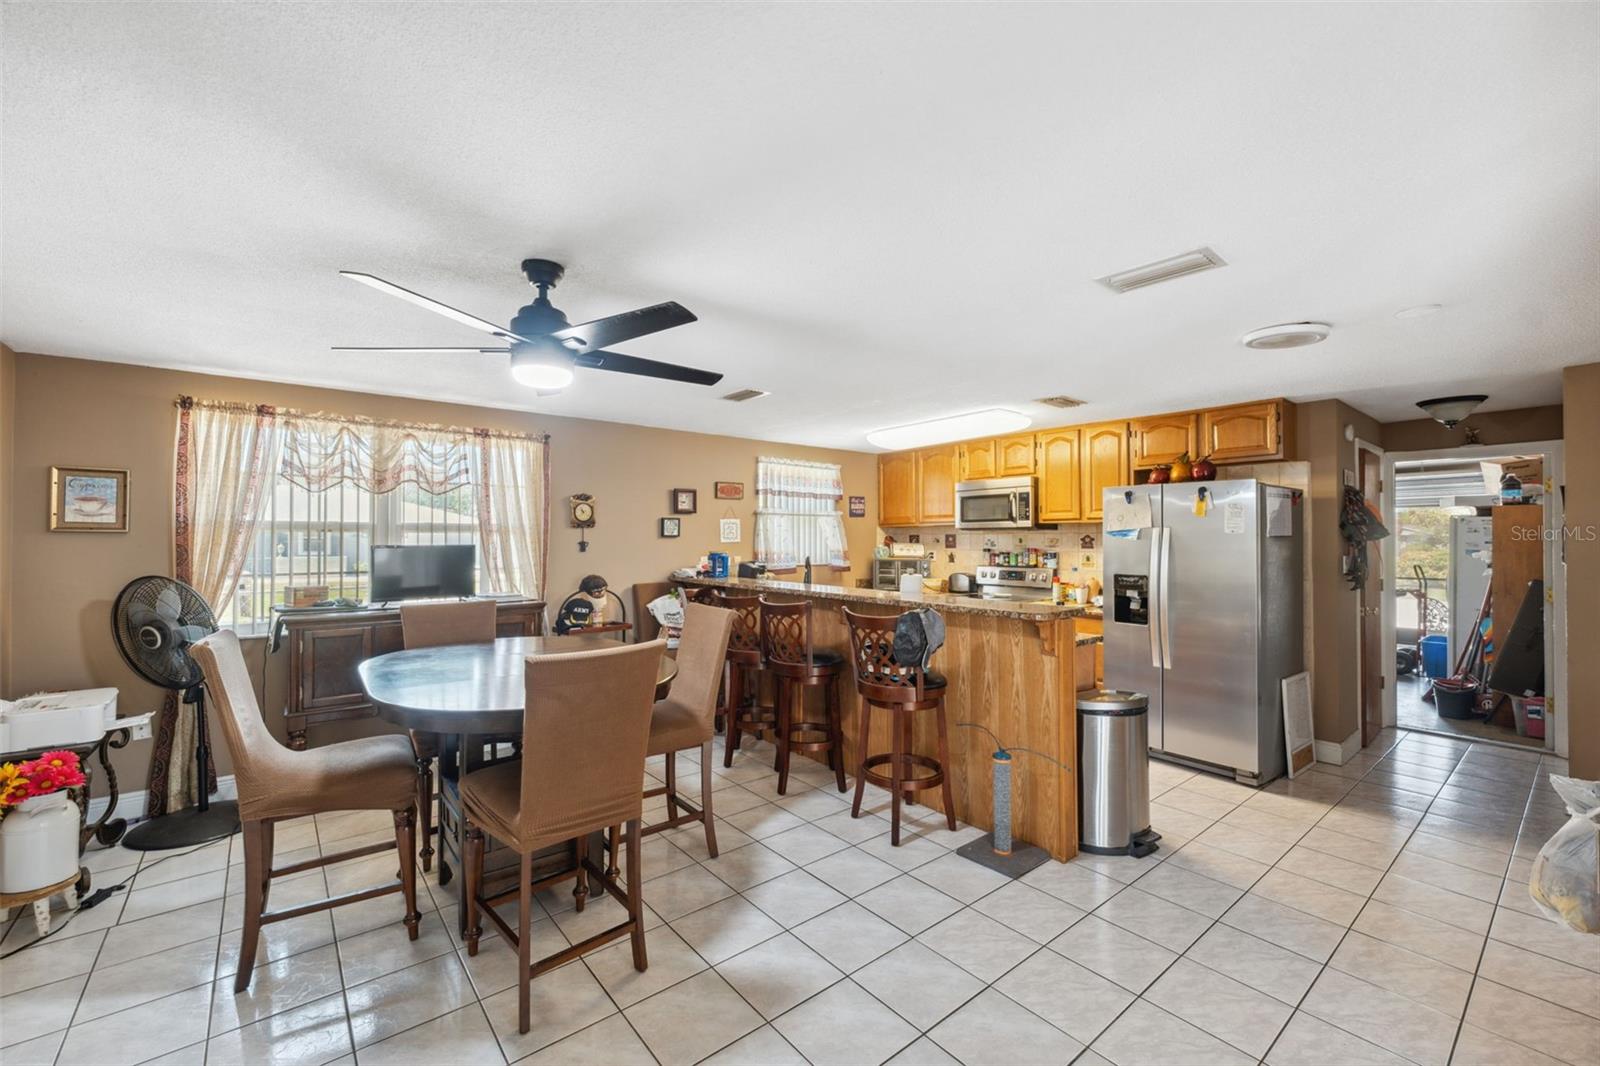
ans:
x=1020 y=609
x=1089 y=638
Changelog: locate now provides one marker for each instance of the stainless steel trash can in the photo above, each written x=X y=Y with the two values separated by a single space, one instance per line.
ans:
x=1114 y=773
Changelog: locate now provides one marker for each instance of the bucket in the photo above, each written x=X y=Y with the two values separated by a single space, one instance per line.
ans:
x=1435 y=655
x=1455 y=699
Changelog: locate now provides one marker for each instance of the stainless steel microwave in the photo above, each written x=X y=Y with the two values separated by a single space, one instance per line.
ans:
x=996 y=503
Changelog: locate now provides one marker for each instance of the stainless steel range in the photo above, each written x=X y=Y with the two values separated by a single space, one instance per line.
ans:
x=1014 y=582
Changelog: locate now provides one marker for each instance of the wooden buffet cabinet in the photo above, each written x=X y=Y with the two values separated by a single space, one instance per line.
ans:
x=1076 y=464
x=326 y=647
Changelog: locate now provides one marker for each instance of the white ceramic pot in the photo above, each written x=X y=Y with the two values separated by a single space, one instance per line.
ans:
x=39 y=843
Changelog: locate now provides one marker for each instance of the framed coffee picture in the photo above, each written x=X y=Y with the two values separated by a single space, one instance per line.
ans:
x=88 y=500
x=685 y=501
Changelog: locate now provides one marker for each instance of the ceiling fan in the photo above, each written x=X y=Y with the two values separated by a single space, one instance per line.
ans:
x=544 y=347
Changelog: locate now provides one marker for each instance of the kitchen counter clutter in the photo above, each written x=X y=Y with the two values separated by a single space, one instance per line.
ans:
x=1013 y=670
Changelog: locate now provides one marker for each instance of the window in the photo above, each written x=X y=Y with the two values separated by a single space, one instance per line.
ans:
x=797 y=514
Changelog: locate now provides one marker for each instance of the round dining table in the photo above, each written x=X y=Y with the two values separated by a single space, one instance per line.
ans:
x=471 y=696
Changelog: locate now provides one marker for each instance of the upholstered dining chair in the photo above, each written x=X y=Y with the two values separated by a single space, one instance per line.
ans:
x=687 y=717
x=276 y=783
x=585 y=726
x=429 y=625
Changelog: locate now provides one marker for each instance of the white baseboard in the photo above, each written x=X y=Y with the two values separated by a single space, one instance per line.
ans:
x=131 y=805
x=1336 y=753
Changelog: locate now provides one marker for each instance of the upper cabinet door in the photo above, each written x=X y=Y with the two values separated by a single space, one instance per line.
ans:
x=1060 y=462
x=1243 y=433
x=1164 y=438
x=1105 y=465
x=936 y=484
x=979 y=460
x=897 y=489
x=1014 y=455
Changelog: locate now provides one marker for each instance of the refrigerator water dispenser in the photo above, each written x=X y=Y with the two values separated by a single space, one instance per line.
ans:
x=1131 y=599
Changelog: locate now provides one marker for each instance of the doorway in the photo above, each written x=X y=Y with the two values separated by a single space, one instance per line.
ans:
x=1369 y=479
x=1470 y=627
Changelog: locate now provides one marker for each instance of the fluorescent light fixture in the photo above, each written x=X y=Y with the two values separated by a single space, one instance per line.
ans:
x=1448 y=410
x=986 y=423
x=546 y=367
x=1288 y=335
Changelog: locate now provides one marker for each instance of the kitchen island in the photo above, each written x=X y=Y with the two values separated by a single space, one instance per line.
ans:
x=1013 y=671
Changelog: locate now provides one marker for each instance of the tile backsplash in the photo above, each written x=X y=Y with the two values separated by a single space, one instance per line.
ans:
x=1076 y=563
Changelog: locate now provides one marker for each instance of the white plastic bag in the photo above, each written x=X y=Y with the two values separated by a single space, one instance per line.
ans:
x=668 y=612
x=1565 y=882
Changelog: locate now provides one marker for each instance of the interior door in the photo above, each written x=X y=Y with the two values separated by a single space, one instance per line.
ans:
x=1370 y=600
x=1132 y=652
x=1210 y=596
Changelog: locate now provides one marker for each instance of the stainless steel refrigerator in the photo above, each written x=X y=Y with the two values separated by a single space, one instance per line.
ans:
x=1204 y=613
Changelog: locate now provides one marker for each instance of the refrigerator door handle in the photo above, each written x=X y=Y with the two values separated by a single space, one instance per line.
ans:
x=1155 y=599
x=1166 y=587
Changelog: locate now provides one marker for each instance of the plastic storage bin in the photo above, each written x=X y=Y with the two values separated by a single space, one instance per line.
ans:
x=1435 y=655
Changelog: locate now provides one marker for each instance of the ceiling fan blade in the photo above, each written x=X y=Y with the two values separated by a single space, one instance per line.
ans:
x=430 y=304
x=483 y=351
x=624 y=327
x=649 y=368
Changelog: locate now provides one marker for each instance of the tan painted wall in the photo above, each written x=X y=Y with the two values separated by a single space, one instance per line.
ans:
x=1336 y=698
x=71 y=411
x=8 y=406
x=1580 y=394
x=1518 y=426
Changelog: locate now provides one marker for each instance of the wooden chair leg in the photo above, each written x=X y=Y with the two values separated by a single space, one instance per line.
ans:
x=896 y=760
x=672 y=784
x=425 y=811
x=267 y=845
x=405 y=841
x=524 y=943
x=705 y=800
x=613 y=836
x=861 y=757
x=580 y=891
x=944 y=767
x=257 y=870
x=473 y=860
x=907 y=746
x=835 y=733
x=784 y=696
x=636 y=895
x=730 y=742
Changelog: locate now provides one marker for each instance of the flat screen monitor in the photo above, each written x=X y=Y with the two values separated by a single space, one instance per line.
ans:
x=422 y=571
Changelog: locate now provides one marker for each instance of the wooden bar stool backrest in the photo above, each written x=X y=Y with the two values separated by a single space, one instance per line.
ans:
x=710 y=596
x=430 y=625
x=786 y=634
x=585 y=733
x=744 y=643
x=878 y=676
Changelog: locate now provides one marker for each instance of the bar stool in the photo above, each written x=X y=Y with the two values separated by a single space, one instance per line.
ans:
x=886 y=685
x=744 y=666
x=795 y=666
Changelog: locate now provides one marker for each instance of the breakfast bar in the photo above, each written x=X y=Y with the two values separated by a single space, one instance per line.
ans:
x=1013 y=670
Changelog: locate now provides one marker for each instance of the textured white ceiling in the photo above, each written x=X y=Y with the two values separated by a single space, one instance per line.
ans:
x=881 y=213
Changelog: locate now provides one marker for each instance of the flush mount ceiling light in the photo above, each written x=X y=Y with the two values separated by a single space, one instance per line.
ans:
x=1448 y=410
x=993 y=421
x=1419 y=311
x=1288 y=335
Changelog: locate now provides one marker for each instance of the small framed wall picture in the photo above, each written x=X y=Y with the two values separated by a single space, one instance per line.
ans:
x=88 y=500
x=671 y=527
x=729 y=490
x=728 y=528
x=685 y=501
x=858 y=507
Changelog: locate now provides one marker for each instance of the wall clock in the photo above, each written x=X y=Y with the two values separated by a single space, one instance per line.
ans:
x=581 y=506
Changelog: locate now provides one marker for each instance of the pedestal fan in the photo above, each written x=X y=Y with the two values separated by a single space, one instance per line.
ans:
x=155 y=619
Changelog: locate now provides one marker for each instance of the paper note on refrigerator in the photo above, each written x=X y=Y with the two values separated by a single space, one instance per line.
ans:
x=1280 y=514
x=1124 y=517
x=1233 y=517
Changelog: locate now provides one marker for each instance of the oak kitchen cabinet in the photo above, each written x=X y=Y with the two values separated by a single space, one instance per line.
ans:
x=1060 y=473
x=1104 y=462
x=938 y=470
x=997 y=457
x=1245 y=432
x=1164 y=438
x=897 y=489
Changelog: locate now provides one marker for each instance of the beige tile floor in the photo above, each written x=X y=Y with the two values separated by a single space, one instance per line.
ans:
x=1369 y=913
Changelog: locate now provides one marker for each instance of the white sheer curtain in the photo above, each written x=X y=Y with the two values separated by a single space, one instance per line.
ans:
x=797 y=514
x=513 y=512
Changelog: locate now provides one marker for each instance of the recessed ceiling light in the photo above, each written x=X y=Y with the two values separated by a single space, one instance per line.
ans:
x=1419 y=311
x=1288 y=335
x=956 y=427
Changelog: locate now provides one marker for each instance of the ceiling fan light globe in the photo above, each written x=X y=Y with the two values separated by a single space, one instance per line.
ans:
x=546 y=377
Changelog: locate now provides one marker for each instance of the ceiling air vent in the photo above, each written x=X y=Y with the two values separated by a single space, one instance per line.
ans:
x=1163 y=270
x=1059 y=401
x=745 y=394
